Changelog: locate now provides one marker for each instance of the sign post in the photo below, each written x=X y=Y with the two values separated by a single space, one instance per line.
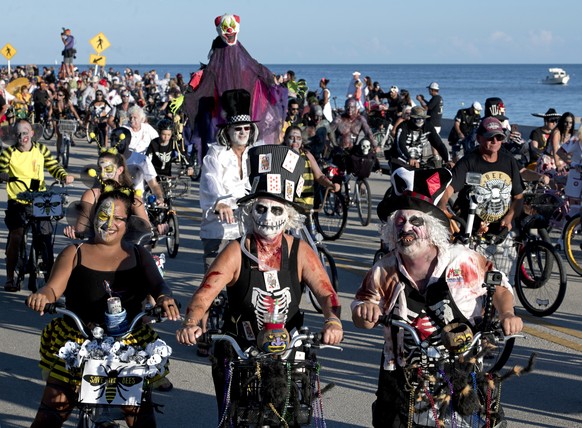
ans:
x=99 y=43
x=8 y=51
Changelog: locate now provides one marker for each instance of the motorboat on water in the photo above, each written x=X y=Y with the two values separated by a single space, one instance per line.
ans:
x=556 y=76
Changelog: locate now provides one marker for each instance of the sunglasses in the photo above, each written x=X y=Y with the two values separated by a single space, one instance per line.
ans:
x=496 y=138
x=294 y=109
x=553 y=120
x=242 y=128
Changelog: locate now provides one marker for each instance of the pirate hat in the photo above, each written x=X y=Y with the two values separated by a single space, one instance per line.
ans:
x=417 y=189
x=236 y=105
x=549 y=114
x=275 y=172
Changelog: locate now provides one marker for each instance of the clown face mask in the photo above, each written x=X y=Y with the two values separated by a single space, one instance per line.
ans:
x=227 y=27
x=110 y=219
x=108 y=170
x=269 y=218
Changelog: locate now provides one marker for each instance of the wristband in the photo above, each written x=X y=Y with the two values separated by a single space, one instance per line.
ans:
x=189 y=322
x=334 y=321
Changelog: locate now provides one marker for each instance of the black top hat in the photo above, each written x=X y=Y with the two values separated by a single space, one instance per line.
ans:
x=417 y=189
x=494 y=107
x=275 y=172
x=550 y=113
x=236 y=103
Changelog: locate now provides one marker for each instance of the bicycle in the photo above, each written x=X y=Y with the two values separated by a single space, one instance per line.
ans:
x=66 y=128
x=314 y=239
x=359 y=169
x=37 y=259
x=109 y=380
x=48 y=126
x=331 y=215
x=464 y=361
x=253 y=397
x=173 y=187
x=540 y=278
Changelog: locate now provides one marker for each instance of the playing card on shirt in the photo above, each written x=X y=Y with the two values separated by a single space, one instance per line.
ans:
x=290 y=161
x=274 y=183
x=265 y=162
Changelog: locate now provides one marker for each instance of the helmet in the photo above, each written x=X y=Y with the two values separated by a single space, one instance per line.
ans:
x=165 y=125
x=119 y=142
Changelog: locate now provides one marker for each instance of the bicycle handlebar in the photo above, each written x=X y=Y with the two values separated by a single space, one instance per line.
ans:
x=308 y=339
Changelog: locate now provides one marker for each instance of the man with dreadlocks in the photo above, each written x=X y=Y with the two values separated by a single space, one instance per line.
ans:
x=264 y=270
x=424 y=281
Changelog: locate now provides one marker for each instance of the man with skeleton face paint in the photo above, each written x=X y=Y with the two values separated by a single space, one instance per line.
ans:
x=263 y=272
x=425 y=281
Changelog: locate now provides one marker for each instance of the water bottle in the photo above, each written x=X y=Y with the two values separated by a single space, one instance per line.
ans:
x=151 y=199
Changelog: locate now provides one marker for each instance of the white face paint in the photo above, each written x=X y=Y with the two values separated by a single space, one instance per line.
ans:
x=239 y=134
x=269 y=218
x=110 y=219
x=366 y=145
x=107 y=169
x=411 y=232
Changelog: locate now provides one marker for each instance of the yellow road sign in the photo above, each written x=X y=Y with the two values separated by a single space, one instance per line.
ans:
x=8 y=51
x=100 y=42
x=97 y=60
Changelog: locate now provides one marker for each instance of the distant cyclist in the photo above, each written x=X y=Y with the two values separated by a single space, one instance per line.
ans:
x=26 y=160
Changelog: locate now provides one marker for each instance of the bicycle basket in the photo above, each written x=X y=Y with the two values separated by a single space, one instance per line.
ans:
x=547 y=205
x=360 y=166
x=67 y=126
x=47 y=204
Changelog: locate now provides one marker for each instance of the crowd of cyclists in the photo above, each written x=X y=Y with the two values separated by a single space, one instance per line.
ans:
x=117 y=109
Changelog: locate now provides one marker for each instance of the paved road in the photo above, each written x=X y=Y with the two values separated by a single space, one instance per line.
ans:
x=549 y=397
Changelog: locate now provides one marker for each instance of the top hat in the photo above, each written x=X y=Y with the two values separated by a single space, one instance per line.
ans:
x=236 y=103
x=416 y=189
x=275 y=172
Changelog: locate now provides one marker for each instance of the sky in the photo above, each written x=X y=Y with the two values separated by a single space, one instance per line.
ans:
x=302 y=31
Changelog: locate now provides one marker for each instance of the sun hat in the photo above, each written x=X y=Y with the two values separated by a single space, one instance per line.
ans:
x=418 y=112
x=275 y=172
x=551 y=113
x=416 y=189
x=433 y=85
x=489 y=127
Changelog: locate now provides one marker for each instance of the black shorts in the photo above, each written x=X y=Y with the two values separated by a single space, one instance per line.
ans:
x=17 y=215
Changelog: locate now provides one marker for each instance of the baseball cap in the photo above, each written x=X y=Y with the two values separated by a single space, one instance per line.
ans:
x=433 y=85
x=489 y=127
x=356 y=73
x=477 y=106
x=394 y=88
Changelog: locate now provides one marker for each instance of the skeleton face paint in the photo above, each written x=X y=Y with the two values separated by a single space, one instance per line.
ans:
x=108 y=169
x=227 y=27
x=411 y=231
x=110 y=219
x=269 y=218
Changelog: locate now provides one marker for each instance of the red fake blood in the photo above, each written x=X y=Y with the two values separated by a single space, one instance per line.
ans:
x=469 y=273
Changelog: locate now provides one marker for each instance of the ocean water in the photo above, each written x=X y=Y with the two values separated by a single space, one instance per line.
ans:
x=519 y=86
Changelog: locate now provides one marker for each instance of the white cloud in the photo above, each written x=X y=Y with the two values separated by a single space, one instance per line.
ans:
x=543 y=38
x=500 y=37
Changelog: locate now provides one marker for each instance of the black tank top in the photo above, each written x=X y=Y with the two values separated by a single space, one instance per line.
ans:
x=249 y=299
x=86 y=295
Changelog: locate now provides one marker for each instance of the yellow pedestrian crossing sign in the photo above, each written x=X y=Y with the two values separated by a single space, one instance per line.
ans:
x=97 y=60
x=8 y=51
x=100 y=42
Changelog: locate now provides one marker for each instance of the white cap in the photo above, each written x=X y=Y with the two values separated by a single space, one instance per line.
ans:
x=477 y=106
x=394 y=88
x=2 y=82
x=433 y=85
x=356 y=73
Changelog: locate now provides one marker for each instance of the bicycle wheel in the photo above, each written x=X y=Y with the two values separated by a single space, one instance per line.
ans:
x=329 y=265
x=48 y=129
x=173 y=236
x=381 y=137
x=540 y=279
x=333 y=217
x=65 y=152
x=363 y=201
x=22 y=262
x=573 y=243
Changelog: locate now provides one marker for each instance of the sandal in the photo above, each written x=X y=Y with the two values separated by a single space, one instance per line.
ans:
x=11 y=287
